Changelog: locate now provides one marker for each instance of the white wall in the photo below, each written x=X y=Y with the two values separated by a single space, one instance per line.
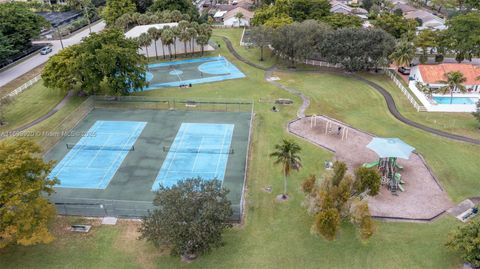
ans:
x=180 y=48
x=234 y=22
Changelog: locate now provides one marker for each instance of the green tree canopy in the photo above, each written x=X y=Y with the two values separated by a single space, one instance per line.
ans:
x=116 y=8
x=466 y=240
x=404 y=53
x=24 y=212
x=463 y=35
x=189 y=216
x=338 y=20
x=261 y=36
x=182 y=6
x=104 y=63
x=301 y=10
x=397 y=26
x=18 y=25
x=476 y=114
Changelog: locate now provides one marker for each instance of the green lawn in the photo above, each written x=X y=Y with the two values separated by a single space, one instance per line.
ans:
x=252 y=54
x=454 y=163
x=278 y=235
x=459 y=123
x=30 y=105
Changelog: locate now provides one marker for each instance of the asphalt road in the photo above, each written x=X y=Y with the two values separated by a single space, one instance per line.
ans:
x=21 y=68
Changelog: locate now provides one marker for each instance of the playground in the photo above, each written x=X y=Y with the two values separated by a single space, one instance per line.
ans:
x=422 y=198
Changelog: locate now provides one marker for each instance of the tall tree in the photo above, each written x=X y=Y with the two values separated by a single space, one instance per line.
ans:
x=182 y=6
x=404 y=53
x=116 y=8
x=239 y=16
x=6 y=49
x=426 y=39
x=301 y=10
x=168 y=38
x=426 y=89
x=453 y=83
x=155 y=35
x=397 y=26
x=476 y=114
x=18 y=25
x=25 y=212
x=358 y=49
x=105 y=62
x=190 y=217
x=463 y=35
x=465 y=239
x=287 y=155
x=261 y=37
x=339 y=20
x=144 y=40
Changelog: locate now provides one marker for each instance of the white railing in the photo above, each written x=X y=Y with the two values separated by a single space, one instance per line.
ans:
x=405 y=91
x=22 y=88
x=323 y=64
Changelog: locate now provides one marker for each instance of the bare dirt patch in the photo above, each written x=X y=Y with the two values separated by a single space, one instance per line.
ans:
x=127 y=242
x=423 y=197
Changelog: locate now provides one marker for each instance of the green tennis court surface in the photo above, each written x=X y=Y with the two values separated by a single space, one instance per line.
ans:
x=129 y=190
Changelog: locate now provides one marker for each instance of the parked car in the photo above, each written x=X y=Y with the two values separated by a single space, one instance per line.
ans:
x=45 y=50
x=404 y=70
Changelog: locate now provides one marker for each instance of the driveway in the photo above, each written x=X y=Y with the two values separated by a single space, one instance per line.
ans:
x=21 y=68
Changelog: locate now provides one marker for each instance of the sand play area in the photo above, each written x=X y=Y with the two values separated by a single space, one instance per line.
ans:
x=423 y=198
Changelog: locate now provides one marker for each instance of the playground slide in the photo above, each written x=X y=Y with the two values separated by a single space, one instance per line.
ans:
x=370 y=165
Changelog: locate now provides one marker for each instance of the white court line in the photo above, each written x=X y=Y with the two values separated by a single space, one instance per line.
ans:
x=219 y=157
x=119 y=154
x=196 y=155
x=179 y=144
x=76 y=151
x=98 y=151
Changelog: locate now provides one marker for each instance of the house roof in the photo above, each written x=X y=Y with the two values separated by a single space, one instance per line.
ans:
x=140 y=29
x=404 y=7
x=434 y=73
x=247 y=14
x=219 y=14
x=424 y=16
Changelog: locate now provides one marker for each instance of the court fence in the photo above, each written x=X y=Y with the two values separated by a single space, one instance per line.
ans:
x=128 y=208
x=115 y=208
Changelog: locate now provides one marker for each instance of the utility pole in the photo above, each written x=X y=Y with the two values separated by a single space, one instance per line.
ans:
x=60 y=36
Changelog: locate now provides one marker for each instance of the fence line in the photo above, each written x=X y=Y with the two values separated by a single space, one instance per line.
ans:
x=404 y=90
x=22 y=88
x=322 y=64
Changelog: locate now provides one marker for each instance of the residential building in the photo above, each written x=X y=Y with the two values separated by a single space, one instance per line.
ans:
x=229 y=19
x=434 y=74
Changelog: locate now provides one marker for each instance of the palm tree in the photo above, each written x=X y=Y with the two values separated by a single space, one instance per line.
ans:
x=192 y=33
x=155 y=35
x=403 y=54
x=239 y=16
x=167 y=40
x=202 y=40
x=425 y=88
x=176 y=34
x=145 y=41
x=184 y=37
x=286 y=154
x=454 y=82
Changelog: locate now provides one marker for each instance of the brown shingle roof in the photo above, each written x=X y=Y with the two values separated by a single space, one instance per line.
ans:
x=246 y=13
x=436 y=72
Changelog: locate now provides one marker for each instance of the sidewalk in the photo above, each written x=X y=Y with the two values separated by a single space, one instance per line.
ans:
x=21 y=68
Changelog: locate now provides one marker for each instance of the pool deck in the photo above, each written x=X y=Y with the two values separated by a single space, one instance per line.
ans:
x=423 y=199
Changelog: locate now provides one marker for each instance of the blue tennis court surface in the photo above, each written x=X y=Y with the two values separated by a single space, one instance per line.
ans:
x=191 y=71
x=94 y=160
x=199 y=150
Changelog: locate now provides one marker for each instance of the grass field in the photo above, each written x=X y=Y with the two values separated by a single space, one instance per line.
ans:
x=278 y=235
x=30 y=105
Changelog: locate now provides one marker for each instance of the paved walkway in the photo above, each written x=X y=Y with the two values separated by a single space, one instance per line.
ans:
x=392 y=107
x=26 y=65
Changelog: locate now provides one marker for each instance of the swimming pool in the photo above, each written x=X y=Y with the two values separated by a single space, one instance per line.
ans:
x=190 y=71
x=444 y=100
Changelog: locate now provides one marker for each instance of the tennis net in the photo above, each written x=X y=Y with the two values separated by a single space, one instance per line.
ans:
x=199 y=150
x=98 y=147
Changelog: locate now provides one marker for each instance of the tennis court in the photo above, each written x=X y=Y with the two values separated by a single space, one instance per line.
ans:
x=199 y=150
x=191 y=71
x=92 y=162
x=138 y=143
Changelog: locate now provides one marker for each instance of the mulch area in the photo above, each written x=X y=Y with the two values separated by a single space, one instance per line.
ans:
x=423 y=198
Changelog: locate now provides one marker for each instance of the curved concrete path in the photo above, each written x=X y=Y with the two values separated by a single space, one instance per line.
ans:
x=59 y=106
x=392 y=107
